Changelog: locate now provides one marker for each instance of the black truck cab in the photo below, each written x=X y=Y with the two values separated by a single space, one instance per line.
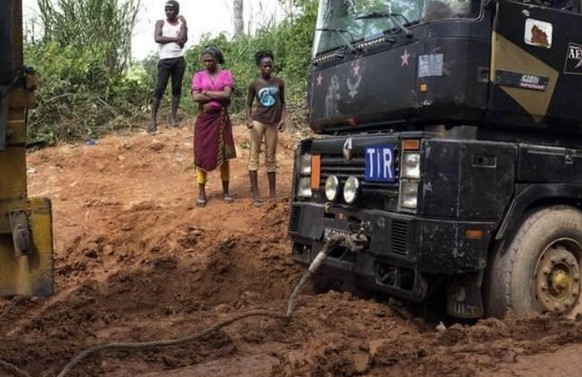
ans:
x=450 y=137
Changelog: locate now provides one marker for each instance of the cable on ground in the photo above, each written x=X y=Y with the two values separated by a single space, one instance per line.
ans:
x=354 y=242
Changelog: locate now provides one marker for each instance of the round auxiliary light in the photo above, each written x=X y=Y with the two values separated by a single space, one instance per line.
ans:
x=331 y=188
x=351 y=189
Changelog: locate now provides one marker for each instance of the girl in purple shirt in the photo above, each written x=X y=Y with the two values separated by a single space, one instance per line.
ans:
x=213 y=139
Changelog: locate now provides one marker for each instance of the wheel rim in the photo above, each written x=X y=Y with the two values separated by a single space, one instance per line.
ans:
x=557 y=277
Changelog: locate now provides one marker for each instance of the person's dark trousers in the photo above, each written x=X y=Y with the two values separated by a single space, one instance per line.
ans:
x=174 y=68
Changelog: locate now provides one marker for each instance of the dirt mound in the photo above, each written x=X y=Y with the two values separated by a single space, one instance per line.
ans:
x=136 y=260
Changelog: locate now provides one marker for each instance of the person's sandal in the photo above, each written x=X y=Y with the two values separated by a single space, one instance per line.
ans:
x=201 y=203
x=227 y=198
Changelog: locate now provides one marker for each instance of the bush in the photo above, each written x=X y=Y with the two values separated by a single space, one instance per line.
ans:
x=81 y=63
x=78 y=97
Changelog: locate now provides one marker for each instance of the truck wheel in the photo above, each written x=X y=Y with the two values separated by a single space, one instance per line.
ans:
x=540 y=270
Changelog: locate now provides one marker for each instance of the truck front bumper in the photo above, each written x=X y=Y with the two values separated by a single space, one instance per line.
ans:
x=401 y=246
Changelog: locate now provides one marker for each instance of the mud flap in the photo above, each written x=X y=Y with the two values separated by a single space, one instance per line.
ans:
x=26 y=254
x=464 y=298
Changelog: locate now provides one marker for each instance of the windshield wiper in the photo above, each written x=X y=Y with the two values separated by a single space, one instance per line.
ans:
x=341 y=35
x=391 y=17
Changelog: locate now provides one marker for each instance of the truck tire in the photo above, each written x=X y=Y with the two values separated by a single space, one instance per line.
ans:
x=540 y=270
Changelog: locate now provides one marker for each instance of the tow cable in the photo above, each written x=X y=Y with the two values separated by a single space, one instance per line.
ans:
x=355 y=242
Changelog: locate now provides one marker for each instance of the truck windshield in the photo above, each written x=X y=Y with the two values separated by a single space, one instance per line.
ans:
x=343 y=22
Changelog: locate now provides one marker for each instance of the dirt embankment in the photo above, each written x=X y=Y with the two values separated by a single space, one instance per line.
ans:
x=136 y=260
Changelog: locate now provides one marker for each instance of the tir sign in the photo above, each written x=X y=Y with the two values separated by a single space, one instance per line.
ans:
x=380 y=164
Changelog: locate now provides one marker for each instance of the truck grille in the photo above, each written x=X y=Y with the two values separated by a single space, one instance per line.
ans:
x=377 y=195
x=399 y=237
x=294 y=219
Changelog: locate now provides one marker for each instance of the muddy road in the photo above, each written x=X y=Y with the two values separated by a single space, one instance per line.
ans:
x=136 y=260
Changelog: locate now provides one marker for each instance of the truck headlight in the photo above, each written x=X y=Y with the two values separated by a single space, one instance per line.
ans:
x=351 y=189
x=305 y=164
x=411 y=165
x=304 y=187
x=331 y=188
x=409 y=194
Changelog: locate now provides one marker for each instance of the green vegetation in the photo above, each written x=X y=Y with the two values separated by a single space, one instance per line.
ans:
x=87 y=85
x=81 y=63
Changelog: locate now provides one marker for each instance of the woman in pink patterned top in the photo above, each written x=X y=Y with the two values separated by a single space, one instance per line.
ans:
x=213 y=140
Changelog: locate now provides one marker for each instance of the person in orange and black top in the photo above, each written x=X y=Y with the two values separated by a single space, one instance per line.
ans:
x=265 y=120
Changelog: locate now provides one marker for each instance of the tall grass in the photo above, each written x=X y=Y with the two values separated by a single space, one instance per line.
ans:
x=104 y=23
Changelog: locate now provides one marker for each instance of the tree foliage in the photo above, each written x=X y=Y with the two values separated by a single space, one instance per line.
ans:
x=81 y=62
x=87 y=84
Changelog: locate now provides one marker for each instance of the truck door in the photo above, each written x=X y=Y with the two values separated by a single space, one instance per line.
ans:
x=536 y=64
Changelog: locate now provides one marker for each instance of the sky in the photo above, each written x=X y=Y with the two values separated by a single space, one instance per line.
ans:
x=203 y=17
